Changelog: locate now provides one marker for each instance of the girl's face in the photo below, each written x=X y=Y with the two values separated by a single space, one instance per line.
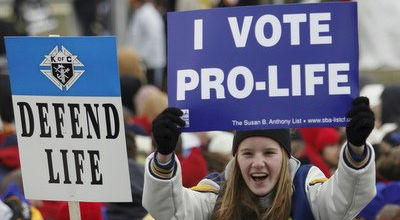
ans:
x=260 y=161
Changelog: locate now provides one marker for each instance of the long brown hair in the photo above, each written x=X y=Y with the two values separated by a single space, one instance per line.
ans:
x=238 y=201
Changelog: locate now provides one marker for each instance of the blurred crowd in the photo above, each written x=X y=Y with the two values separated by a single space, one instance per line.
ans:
x=142 y=71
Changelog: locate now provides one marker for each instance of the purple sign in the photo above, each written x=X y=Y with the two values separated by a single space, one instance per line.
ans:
x=268 y=66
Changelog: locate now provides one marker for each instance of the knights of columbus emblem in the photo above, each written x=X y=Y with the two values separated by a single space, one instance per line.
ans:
x=62 y=64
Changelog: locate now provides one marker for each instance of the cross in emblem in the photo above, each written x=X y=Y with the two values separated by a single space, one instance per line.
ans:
x=62 y=65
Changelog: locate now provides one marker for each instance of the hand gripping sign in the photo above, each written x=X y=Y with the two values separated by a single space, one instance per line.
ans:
x=269 y=66
x=68 y=117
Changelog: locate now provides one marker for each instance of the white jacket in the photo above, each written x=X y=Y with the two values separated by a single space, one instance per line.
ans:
x=343 y=196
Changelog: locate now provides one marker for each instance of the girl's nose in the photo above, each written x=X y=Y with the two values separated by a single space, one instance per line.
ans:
x=258 y=161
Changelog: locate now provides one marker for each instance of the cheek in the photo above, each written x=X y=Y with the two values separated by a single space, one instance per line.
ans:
x=242 y=165
x=275 y=164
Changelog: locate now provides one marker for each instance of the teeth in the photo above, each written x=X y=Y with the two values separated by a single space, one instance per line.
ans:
x=259 y=175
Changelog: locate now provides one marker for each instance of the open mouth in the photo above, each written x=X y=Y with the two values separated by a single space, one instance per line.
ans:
x=257 y=177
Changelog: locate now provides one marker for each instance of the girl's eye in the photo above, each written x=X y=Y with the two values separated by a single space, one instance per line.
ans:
x=269 y=152
x=247 y=153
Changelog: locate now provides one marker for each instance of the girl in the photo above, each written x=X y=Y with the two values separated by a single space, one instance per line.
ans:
x=262 y=181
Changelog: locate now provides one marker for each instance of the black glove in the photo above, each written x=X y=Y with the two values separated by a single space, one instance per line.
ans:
x=166 y=129
x=361 y=123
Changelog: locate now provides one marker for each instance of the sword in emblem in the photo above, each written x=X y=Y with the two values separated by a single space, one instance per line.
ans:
x=61 y=72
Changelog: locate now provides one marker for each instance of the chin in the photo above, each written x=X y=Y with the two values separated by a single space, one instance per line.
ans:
x=260 y=193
